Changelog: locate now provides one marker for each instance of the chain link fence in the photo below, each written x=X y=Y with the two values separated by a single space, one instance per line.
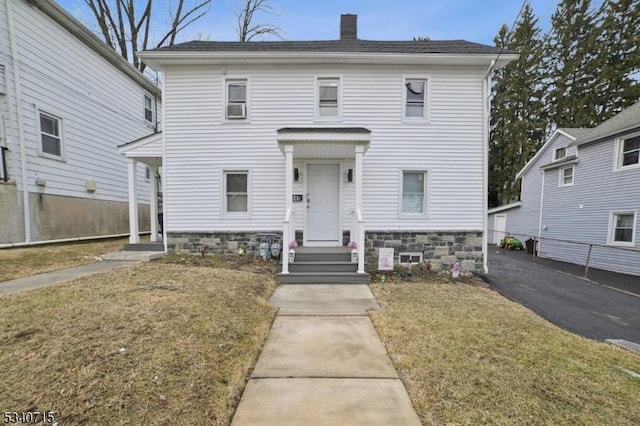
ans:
x=625 y=260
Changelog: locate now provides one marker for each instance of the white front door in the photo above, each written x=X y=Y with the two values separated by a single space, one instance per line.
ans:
x=322 y=226
x=500 y=228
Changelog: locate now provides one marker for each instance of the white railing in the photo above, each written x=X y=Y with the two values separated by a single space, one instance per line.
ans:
x=356 y=233
x=288 y=235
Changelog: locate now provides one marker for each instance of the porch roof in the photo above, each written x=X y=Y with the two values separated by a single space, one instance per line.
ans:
x=324 y=142
x=147 y=149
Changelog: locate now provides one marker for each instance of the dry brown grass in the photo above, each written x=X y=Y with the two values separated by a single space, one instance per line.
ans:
x=469 y=356
x=150 y=344
x=24 y=262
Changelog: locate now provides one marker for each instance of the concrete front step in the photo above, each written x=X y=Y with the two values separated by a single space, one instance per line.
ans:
x=323 y=278
x=318 y=266
x=322 y=257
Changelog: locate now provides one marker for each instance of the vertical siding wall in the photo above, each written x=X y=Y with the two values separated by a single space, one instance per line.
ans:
x=201 y=144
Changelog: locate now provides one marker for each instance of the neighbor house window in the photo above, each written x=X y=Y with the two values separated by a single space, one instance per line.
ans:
x=328 y=89
x=236 y=186
x=413 y=258
x=51 y=135
x=622 y=228
x=415 y=98
x=559 y=153
x=413 y=192
x=236 y=99
x=566 y=176
x=148 y=108
x=629 y=152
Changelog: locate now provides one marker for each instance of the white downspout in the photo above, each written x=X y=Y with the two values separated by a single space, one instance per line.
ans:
x=164 y=167
x=26 y=208
x=485 y=162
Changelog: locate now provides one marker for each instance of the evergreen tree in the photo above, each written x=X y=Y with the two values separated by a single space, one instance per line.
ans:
x=571 y=65
x=517 y=120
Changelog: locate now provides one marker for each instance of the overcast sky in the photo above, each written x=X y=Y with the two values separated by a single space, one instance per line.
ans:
x=472 y=20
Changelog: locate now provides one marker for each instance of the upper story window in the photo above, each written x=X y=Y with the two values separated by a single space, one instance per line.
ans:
x=559 y=154
x=414 y=189
x=236 y=92
x=50 y=135
x=148 y=109
x=415 y=98
x=566 y=176
x=628 y=152
x=328 y=93
x=236 y=188
x=622 y=229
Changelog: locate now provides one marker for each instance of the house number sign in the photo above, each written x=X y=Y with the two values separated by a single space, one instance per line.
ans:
x=297 y=198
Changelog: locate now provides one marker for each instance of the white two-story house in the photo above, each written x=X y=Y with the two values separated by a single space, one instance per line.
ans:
x=67 y=101
x=382 y=143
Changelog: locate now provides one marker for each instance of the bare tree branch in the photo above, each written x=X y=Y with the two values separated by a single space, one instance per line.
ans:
x=247 y=30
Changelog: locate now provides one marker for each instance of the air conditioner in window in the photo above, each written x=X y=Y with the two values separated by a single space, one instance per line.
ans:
x=236 y=111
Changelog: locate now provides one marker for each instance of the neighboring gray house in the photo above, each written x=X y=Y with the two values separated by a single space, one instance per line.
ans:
x=588 y=190
x=67 y=100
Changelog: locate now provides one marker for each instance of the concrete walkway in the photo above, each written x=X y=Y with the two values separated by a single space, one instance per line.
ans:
x=110 y=261
x=323 y=364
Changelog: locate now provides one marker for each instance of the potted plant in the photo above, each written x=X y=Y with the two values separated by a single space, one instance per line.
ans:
x=354 y=251
x=292 y=253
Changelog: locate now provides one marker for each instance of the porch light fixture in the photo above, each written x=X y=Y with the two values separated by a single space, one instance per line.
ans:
x=296 y=174
x=350 y=175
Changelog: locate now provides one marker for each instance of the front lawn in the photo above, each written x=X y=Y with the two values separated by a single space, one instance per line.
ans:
x=156 y=343
x=469 y=356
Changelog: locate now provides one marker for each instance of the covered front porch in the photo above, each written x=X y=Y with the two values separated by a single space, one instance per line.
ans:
x=147 y=151
x=323 y=198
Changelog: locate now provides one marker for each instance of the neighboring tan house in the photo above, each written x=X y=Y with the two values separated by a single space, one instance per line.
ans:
x=588 y=191
x=67 y=101
x=383 y=143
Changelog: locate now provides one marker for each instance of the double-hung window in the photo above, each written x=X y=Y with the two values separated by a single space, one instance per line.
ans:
x=629 y=152
x=50 y=135
x=414 y=189
x=148 y=109
x=566 y=176
x=236 y=92
x=328 y=93
x=236 y=192
x=415 y=98
x=559 y=154
x=622 y=230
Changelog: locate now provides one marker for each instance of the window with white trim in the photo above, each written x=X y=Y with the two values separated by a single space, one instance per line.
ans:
x=559 y=154
x=622 y=230
x=236 y=189
x=414 y=189
x=566 y=176
x=236 y=94
x=628 y=152
x=50 y=135
x=328 y=97
x=415 y=98
x=413 y=258
x=148 y=109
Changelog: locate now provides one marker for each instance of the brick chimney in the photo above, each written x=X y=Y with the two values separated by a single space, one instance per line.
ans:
x=348 y=27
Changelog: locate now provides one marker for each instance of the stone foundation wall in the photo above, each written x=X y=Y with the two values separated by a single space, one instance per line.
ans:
x=442 y=249
x=221 y=243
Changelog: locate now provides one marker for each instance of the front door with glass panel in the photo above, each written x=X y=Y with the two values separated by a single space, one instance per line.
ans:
x=322 y=226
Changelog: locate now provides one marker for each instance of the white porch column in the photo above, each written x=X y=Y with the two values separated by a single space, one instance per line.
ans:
x=134 y=236
x=288 y=203
x=153 y=203
x=358 y=201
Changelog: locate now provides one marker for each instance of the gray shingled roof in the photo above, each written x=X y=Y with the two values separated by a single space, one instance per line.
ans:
x=343 y=46
x=627 y=120
x=577 y=132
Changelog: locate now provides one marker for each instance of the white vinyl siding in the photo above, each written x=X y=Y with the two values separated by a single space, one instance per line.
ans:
x=328 y=106
x=566 y=176
x=622 y=228
x=415 y=96
x=236 y=192
x=201 y=144
x=50 y=128
x=628 y=153
x=236 y=91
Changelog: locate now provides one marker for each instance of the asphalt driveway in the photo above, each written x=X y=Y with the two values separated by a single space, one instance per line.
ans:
x=583 y=307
